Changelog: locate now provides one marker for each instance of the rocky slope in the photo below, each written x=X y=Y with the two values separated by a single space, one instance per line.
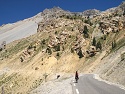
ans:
x=19 y=30
x=62 y=41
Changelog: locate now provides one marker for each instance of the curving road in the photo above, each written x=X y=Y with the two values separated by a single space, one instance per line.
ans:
x=88 y=85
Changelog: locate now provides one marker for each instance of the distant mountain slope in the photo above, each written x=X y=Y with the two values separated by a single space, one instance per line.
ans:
x=91 y=12
x=20 y=29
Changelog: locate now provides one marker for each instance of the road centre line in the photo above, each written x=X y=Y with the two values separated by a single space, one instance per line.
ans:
x=77 y=91
x=74 y=85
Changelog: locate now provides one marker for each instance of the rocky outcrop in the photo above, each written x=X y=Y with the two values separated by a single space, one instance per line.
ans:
x=29 y=51
x=3 y=45
x=91 y=12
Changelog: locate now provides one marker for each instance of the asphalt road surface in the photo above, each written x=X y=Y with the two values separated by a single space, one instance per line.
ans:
x=88 y=85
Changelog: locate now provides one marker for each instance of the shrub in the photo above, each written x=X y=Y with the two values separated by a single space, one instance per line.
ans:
x=56 y=32
x=94 y=42
x=99 y=45
x=57 y=54
x=48 y=50
x=1 y=49
x=86 y=35
x=104 y=37
x=114 y=44
x=34 y=48
x=123 y=56
x=80 y=53
x=4 y=44
x=30 y=46
x=72 y=50
x=36 y=68
x=70 y=36
x=43 y=41
x=85 y=32
x=57 y=47
x=21 y=59
x=88 y=22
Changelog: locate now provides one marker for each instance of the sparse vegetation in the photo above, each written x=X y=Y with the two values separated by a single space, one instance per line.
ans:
x=57 y=54
x=45 y=76
x=1 y=49
x=85 y=32
x=88 y=22
x=18 y=47
x=71 y=17
x=94 y=42
x=30 y=46
x=57 y=47
x=49 y=51
x=80 y=53
x=21 y=59
x=43 y=42
x=113 y=44
x=123 y=56
x=7 y=79
x=72 y=50
x=99 y=45
x=3 y=45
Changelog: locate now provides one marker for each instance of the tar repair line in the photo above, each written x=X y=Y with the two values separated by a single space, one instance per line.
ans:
x=77 y=91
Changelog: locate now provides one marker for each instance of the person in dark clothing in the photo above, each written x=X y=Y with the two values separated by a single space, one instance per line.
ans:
x=76 y=76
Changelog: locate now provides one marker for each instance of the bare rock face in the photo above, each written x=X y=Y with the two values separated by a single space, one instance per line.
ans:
x=55 y=12
x=121 y=6
x=3 y=45
x=91 y=12
x=49 y=18
x=120 y=9
x=111 y=10
x=53 y=41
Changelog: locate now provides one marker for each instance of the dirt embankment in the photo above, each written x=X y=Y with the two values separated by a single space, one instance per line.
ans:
x=112 y=67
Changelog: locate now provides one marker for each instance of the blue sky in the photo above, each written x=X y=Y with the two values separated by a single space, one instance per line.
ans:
x=15 y=10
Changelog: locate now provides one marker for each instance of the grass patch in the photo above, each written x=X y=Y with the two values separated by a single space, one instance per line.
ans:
x=36 y=83
x=120 y=44
x=15 y=49
x=7 y=79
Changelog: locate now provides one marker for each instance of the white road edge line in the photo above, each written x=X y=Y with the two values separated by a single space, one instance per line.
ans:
x=77 y=91
x=74 y=85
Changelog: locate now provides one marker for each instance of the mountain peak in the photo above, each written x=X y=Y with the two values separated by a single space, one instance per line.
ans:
x=91 y=12
x=54 y=9
x=122 y=5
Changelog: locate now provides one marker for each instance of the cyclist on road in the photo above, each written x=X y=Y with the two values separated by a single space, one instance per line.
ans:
x=76 y=76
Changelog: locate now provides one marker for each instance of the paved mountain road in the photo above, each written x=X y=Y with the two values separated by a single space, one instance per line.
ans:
x=89 y=85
